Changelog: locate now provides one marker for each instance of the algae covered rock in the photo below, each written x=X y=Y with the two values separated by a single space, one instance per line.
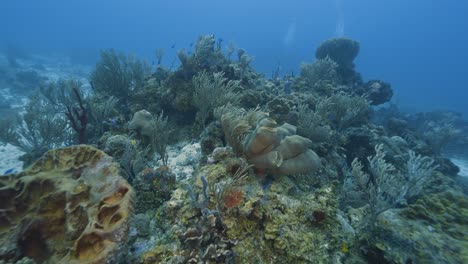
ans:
x=70 y=206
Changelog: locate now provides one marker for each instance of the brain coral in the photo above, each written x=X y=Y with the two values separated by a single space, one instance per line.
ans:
x=70 y=206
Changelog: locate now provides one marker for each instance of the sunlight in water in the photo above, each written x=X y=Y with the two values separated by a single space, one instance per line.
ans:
x=290 y=34
x=340 y=25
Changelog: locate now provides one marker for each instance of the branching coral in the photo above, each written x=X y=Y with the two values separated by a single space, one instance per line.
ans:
x=86 y=115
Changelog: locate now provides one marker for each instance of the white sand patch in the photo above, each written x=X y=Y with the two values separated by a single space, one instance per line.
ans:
x=183 y=159
x=9 y=159
x=462 y=163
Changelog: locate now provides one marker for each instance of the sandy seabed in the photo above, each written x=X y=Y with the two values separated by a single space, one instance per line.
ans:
x=9 y=159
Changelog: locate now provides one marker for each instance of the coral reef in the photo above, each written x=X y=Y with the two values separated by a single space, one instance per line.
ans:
x=275 y=149
x=311 y=172
x=205 y=221
x=70 y=206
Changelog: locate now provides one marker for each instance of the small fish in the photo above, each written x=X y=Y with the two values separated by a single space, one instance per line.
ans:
x=173 y=46
x=9 y=171
x=191 y=44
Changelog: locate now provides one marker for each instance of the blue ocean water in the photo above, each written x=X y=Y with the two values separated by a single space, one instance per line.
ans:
x=418 y=46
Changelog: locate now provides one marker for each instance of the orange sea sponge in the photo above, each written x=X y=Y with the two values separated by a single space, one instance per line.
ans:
x=71 y=206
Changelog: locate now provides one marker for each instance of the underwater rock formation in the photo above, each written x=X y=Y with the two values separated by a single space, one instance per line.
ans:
x=343 y=51
x=275 y=149
x=432 y=230
x=70 y=206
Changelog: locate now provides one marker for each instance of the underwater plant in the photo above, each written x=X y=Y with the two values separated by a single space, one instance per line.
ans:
x=37 y=130
x=102 y=115
x=132 y=161
x=155 y=131
x=230 y=193
x=212 y=92
x=320 y=76
x=312 y=125
x=67 y=97
x=119 y=76
x=244 y=61
x=385 y=187
x=206 y=56
x=342 y=111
